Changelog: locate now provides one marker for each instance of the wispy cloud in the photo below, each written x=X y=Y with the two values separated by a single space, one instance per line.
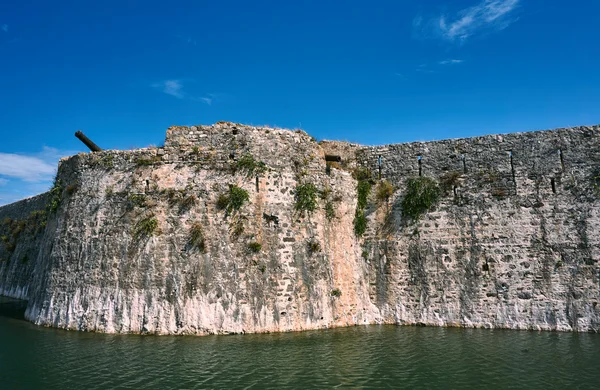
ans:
x=24 y=175
x=4 y=28
x=206 y=100
x=171 y=87
x=175 y=88
x=487 y=15
x=451 y=62
x=26 y=168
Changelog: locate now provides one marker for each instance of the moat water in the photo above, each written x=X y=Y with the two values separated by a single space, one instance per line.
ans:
x=357 y=357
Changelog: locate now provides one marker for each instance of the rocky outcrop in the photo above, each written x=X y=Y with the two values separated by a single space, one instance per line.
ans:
x=232 y=229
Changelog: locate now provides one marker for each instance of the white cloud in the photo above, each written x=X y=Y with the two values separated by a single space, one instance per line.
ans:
x=175 y=88
x=451 y=62
x=171 y=87
x=206 y=100
x=23 y=176
x=4 y=28
x=488 y=14
x=26 y=168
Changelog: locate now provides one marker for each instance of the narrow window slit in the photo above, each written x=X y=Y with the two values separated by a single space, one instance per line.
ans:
x=420 y=165
x=553 y=184
x=464 y=163
x=257 y=190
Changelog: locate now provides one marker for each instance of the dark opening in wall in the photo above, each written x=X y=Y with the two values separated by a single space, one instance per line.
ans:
x=334 y=158
x=257 y=190
x=379 y=165
x=553 y=184
x=464 y=163
x=231 y=156
x=147 y=184
x=235 y=131
x=420 y=165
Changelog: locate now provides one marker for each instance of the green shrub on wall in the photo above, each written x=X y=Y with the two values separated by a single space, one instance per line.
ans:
x=233 y=200
x=422 y=193
x=306 y=197
x=360 y=222
x=250 y=165
x=145 y=227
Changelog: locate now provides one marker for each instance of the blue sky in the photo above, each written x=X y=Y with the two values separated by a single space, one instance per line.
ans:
x=370 y=72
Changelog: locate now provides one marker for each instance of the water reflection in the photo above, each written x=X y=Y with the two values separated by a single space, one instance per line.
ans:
x=358 y=357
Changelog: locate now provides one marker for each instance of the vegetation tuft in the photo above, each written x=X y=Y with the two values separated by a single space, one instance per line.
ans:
x=362 y=174
x=336 y=292
x=360 y=223
x=422 y=193
x=364 y=189
x=197 y=237
x=145 y=227
x=329 y=211
x=250 y=165
x=55 y=196
x=449 y=180
x=306 y=197
x=314 y=247
x=384 y=190
x=233 y=200
x=254 y=247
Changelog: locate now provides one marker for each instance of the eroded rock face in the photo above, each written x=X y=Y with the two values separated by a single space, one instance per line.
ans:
x=144 y=241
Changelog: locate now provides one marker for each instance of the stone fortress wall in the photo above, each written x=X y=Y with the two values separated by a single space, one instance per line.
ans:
x=514 y=241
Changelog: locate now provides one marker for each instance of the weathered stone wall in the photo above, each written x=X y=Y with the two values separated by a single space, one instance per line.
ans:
x=514 y=241
x=98 y=274
x=22 y=225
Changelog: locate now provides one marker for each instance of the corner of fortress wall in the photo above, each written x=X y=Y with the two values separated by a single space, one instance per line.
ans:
x=514 y=241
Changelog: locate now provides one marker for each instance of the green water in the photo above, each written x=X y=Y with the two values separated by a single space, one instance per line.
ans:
x=357 y=357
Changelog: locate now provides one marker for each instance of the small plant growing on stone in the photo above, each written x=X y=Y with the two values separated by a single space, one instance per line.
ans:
x=362 y=174
x=449 y=180
x=363 y=189
x=329 y=211
x=197 y=237
x=145 y=227
x=233 y=200
x=237 y=197
x=336 y=292
x=138 y=200
x=422 y=193
x=71 y=188
x=55 y=196
x=360 y=223
x=146 y=160
x=314 y=247
x=365 y=255
x=384 y=190
x=250 y=165
x=306 y=197
x=188 y=202
x=254 y=247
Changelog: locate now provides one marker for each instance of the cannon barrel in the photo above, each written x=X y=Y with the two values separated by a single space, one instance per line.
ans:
x=88 y=142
